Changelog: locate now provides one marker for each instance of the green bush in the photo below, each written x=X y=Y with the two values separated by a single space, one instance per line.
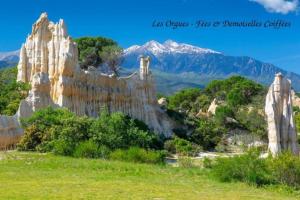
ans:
x=139 y=155
x=61 y=132
x=282 y=169
x=89 y=149
x=222 y=113
x=182 y=147
x=11 y=91
x=253 y=121
x=183 y=99
x=248 y=168
x=207 y=134
x=90 y=48
x=285 y=169
x=31 y=139
x=119 y=131
x=234 y=89
x=62 y=147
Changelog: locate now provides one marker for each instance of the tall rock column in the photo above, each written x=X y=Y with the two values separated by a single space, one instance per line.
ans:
x=279 y=111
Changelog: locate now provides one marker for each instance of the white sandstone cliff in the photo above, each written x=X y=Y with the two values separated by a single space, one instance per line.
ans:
x=49 y=62
x=279 y=111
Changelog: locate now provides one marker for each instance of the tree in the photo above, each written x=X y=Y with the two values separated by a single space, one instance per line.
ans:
x=11 y=91
x=183 y=99
x=89 y=49
x=112 y=57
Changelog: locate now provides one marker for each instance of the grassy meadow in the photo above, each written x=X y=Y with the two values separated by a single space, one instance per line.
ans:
x=45 y=176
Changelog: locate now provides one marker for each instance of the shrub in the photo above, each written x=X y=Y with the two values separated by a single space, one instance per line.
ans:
x=253 y=121
x=285 y=169
x=222 y=112
x=89 y=149
x=31 y=138
x=183 y=99
x=246 y=168
x=11 y=91
x=207 y=134
x=135 y=154
x=62 y=147
x=90 y=48
x=182 y=147
x=119 y=131
x=185 y=162
x=61 y=132
x=170 y=146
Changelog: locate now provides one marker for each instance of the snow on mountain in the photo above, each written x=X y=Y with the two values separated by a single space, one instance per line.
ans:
x=179 y=58
x=12 y=56
x=9 y=59
x=169 y=47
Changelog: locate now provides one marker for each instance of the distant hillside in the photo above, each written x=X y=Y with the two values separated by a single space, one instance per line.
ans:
x=9 y=59
x=189 y=64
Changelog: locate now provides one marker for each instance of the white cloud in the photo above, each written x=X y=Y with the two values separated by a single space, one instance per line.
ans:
x=279 y=6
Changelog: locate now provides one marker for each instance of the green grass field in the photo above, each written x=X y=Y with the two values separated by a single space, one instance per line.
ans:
x=45 y=176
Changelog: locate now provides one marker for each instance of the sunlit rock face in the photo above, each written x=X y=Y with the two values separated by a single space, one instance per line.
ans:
x=49 y=62
x=279 y=111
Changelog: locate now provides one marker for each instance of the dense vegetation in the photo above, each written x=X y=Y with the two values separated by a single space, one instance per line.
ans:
x=240 y=108
x=251 y=168
x=99 y=52
x=11 y=91
x=61 y=132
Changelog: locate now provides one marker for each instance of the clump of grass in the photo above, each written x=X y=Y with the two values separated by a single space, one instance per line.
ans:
x=139 y=155
x=185 y=162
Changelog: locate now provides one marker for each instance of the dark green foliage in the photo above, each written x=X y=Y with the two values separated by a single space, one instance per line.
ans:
x=207 y=134
x=182 y=147
x=236 y=90
x=183 y=99
x=139 y=155
x=31 y=139
x=90 y=48
x=119 y=131
x=112 y=58
x=246 y=168
x=253 y=121
x=89 y=149
x=202 y=102
x=61 y=132
x=235 y=96
x=222 y=114
x=11 y=91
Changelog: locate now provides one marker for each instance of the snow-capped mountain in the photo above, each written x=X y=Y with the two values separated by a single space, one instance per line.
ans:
x=168 y=47
x=188 y=62
x=8 y=59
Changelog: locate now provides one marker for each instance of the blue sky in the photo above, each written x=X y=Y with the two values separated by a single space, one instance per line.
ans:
x=129 y=22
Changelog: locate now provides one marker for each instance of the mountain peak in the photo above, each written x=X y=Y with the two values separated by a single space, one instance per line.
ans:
x=170 y=43
x=170 y=47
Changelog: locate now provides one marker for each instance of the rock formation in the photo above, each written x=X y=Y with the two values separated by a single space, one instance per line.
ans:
x=279 y=111
x=163 y=102
x=213 y=107
x=296 y=99
x=49 y=62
